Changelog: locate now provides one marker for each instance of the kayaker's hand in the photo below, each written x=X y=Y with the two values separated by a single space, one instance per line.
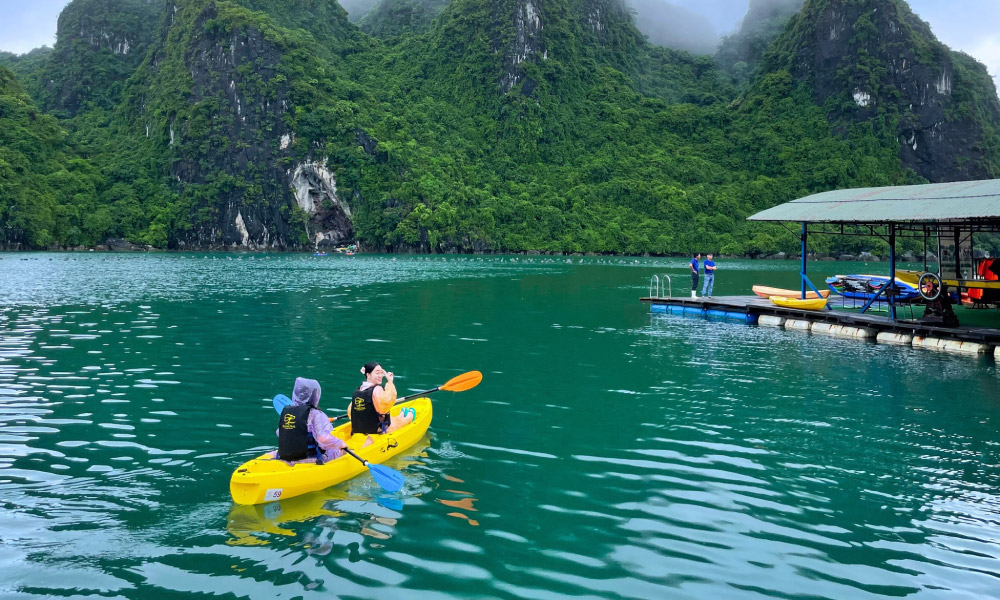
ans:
x=389 y=376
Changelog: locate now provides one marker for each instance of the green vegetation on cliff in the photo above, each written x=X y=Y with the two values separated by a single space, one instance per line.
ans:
x=47 y=193
x=504 y=125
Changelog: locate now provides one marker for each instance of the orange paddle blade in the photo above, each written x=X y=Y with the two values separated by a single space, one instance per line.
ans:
x=465 y=381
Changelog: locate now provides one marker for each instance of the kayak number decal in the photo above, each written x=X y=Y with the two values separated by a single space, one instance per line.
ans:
x=273 y=494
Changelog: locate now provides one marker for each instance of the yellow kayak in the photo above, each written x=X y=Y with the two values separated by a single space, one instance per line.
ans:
x=264 y=479
x=766 y=292
x=807 y=304
x=247 y=522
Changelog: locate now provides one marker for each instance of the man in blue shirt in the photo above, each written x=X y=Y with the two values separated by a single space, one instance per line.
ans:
x=694 y=274
x=709 y=276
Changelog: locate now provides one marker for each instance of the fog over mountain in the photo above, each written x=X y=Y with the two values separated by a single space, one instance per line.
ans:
x=762 y=10
x=688 y=25
x=666 y=24
x=357 y=8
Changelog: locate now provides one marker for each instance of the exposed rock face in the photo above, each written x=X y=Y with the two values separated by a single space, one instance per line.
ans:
x=316 y=193
x=527 y=44
x=591 y=22
x=215 y=138
x=874 y=58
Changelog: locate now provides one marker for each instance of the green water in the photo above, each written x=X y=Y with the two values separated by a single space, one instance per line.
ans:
x=608 y=452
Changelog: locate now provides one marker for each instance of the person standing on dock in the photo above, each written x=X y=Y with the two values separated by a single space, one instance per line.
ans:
x=709 y=276
x=694 y=274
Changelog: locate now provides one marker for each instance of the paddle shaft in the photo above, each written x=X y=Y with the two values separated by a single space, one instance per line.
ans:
x=351 y=452
x=410 y=397
x=459 y=383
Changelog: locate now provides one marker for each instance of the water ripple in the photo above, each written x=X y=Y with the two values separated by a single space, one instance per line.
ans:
x=607 y=453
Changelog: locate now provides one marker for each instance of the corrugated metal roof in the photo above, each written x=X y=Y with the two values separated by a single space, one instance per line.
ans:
x=965 y=200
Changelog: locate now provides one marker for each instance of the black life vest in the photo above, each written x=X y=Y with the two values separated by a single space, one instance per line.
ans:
x=364 y=417
x=294 y=440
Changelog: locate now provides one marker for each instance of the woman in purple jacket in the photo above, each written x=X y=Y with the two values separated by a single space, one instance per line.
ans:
x=304 y=431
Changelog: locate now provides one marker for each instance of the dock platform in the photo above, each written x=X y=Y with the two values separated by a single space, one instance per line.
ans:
x=750 y=309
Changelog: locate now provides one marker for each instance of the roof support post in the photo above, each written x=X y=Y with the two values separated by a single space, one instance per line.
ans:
x=803 y=278
x=925 y=248
x=892 y=271
x=802 y=283
x=958 y=254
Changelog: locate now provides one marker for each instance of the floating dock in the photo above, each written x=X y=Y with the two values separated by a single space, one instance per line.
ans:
x=838 y=323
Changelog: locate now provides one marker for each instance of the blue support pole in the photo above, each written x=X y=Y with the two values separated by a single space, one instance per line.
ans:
x=804 y=279
x=880 y=291
x=807 y=282
x=892 y=271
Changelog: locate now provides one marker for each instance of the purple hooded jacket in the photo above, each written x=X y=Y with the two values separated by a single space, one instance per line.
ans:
x=307 y=391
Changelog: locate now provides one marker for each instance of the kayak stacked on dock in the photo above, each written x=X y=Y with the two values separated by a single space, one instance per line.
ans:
x=766 y=292
x=265 y=479
x=864 y=287
x=799 y=303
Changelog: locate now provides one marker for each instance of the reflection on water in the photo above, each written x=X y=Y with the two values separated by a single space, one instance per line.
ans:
x=463 y=503
x=355 y=505
x=607 y=453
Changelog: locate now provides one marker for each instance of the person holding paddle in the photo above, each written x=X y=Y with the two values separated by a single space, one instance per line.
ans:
x=371 y=403
x=304 y=431
x=388 y=478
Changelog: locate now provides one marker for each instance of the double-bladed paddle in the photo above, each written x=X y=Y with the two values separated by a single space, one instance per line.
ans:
x=391 y=479
x=459 y=383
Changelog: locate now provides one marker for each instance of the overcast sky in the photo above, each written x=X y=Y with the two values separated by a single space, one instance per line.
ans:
x=967 y=25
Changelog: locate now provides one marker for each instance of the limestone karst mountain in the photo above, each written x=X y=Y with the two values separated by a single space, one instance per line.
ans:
x=499 y=125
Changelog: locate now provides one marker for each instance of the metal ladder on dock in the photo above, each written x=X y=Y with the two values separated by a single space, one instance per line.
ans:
x=659 y=284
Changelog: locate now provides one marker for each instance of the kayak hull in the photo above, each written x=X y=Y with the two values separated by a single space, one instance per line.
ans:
x=264 y=479
x=766 y=292
x=864 y=287
x=808 y=304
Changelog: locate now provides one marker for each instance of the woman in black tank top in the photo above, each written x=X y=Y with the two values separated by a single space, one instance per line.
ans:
x=371 y=403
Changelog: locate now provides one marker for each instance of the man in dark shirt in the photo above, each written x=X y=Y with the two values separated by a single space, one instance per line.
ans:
x=694 y=274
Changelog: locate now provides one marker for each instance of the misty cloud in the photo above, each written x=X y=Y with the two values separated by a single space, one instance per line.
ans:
x=673 y=26
x=763 y=10
x=357 y=8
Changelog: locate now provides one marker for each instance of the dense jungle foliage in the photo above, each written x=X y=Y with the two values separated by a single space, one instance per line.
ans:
x=605 y=144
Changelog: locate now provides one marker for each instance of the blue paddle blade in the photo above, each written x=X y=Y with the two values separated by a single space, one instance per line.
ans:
x=280 y=402
x=390 y=479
